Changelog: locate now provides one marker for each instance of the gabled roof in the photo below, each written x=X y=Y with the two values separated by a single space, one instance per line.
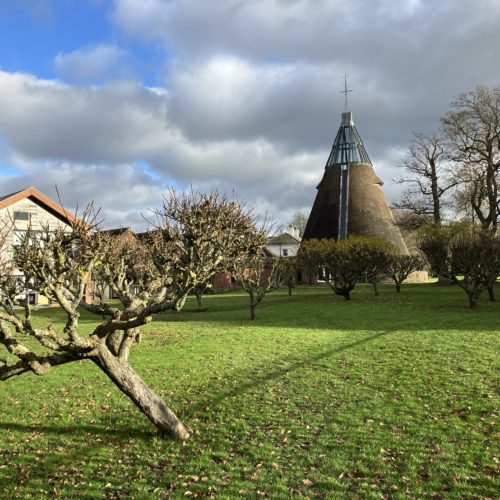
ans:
x=40 y=199
x=348 y=146
x=283 y=239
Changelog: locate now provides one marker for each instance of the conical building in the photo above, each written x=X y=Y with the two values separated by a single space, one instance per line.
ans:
x=350 y=200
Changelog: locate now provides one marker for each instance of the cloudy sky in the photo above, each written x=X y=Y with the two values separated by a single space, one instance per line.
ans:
x=116 y=100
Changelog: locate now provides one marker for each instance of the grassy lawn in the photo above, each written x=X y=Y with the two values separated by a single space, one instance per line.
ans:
x=393 y=396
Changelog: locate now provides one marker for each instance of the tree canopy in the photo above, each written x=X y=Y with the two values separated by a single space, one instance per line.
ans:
x=195 y=236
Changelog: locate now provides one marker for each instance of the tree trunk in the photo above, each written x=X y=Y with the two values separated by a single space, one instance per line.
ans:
x=253 y=307
x=398 y=287
x=290 y=291
x=375 y=288
x=473 y=298
x=491 y=293
x=198 y=298
x=131 y=384
x=436 y=202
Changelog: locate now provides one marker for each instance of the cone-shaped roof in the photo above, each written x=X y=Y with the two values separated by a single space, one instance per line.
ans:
x=350 y=200
x=348 y=146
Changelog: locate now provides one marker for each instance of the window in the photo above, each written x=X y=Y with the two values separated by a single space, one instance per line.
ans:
x=284 y=252
x=18 y=215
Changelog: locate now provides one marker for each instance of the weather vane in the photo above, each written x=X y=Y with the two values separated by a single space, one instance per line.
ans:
x=345 y=91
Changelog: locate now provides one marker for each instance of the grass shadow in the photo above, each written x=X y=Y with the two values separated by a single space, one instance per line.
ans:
x=318 y=308
x=80 y=429
x=281 y=372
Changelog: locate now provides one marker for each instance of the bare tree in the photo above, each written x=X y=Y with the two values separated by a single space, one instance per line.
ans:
x=194 y=234
x=289 y=273
x=427 y=177
x=408 y=222
x=259 y=275
x=299 y=220
x=472 y=129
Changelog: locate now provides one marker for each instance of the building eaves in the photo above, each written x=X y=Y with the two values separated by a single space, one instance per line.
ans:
x=39 y=198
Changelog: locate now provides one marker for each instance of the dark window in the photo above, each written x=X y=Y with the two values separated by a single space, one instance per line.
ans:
x=21 y=215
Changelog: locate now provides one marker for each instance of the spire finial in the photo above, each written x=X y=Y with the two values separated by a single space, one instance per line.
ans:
x=345 y=91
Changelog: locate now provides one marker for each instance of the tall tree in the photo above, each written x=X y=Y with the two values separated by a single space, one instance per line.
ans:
x=428 y=179
x=472 y=129
x=194 y=234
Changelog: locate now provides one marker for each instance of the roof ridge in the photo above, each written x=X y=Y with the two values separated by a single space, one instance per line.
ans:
x=32 y=192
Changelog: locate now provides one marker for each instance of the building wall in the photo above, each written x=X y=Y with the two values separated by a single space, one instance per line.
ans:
x=278 y=250
x=38 y=219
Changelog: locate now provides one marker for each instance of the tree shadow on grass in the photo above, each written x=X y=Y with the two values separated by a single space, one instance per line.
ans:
x=62 y=430
x=281 y=372
x=421 y=307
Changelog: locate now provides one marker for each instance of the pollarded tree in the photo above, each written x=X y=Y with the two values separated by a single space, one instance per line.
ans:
x=466 y=254
x=258 y=275
x=194 y=234
x=289 y=273
x=399 y=267
x=377 y=257
x=200 y=290
x=343 y=263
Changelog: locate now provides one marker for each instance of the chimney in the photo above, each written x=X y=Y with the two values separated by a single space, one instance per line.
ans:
x=293 y=231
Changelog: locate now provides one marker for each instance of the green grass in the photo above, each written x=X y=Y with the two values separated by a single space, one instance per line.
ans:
x=393 y=396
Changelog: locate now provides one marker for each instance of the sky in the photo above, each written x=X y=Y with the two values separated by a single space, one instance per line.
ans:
x=116 y=101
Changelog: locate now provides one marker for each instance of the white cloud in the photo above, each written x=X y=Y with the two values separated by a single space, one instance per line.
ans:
x=90 y=142
x=92 y=64
x=122 y=191
x=251 y=97
x=114 y=123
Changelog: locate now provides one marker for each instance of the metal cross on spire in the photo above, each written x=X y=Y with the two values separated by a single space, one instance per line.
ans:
x=345 y=91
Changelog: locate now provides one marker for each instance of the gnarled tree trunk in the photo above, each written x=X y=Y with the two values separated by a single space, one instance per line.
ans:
x=131 y=384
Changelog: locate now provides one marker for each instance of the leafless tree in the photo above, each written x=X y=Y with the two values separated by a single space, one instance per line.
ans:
x=472 y=129
x=259 y=275
x=289 y=273
x=299 y=220
x=194 y=235
x=427 y=176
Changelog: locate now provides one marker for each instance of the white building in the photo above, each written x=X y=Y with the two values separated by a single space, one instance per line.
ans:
x=25 y=209
x=286 y=244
